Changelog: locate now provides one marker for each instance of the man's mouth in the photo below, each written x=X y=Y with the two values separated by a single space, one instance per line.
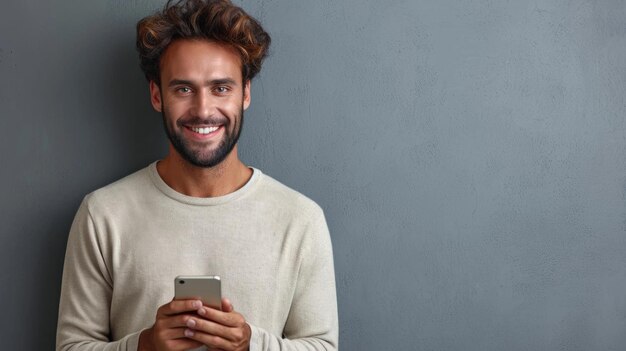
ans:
x=204 y=130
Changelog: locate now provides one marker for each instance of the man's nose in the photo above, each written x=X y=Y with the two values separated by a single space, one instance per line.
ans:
x=204 y=104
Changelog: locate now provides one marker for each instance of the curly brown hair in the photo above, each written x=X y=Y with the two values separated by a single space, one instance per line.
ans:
x=214 y=20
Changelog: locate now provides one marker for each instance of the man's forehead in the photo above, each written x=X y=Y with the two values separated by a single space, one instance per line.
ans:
x=200 y=60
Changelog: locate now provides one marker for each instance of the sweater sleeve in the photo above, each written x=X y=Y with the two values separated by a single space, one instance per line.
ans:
x=86 y=292
x=312 y=323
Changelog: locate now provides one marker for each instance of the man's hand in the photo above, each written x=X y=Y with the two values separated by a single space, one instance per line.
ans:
x=168 y=331
x=223 y=330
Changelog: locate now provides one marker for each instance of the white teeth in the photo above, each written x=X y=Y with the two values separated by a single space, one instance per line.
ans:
x=205 y=130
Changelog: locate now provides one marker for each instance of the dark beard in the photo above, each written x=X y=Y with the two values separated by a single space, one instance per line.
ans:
x=216 y=156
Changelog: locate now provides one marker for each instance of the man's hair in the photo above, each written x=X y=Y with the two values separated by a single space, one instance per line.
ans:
x=214 y=20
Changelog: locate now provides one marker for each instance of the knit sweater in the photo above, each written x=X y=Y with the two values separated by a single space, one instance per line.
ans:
x=129 y=240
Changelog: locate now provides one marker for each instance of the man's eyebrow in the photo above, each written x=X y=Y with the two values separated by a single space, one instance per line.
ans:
x=175 y=82
x=220 y=81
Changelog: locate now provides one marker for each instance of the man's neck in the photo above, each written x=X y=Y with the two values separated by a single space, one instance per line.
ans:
x=222 y=179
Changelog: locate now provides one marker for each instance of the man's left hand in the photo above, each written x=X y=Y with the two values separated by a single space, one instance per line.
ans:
x=222 y=330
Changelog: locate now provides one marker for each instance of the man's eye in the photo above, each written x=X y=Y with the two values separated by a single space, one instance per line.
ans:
x=221 y=90
x=184 y=90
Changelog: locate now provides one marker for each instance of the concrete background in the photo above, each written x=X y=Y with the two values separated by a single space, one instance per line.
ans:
x=470 y=157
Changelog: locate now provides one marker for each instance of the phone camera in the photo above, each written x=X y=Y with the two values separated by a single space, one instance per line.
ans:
x=181 y=282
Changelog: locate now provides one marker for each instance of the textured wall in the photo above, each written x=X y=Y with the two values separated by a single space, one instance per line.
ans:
x=469 y=155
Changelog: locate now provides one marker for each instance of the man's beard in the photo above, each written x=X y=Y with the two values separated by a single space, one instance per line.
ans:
x=202 y=158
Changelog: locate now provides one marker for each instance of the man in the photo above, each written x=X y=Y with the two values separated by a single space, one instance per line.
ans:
x=199 y=211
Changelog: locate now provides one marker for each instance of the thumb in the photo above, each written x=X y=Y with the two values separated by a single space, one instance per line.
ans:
x=227 y=306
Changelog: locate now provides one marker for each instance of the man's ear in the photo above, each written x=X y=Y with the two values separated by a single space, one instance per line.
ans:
x=155 y=96
x=246 y=95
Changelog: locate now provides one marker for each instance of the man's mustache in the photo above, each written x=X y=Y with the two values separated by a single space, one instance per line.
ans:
x=205 y=122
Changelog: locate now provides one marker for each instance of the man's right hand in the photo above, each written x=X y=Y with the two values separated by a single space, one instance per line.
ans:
x=167 y=333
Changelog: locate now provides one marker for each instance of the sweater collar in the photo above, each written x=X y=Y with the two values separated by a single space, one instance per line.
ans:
x=202 y=201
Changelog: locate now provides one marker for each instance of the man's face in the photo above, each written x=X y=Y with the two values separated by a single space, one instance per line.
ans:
x=202 y=99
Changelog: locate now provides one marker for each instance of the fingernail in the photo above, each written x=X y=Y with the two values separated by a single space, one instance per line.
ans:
x=196 y=304
x=202 y=311
x=191 y=323
x=188 y=333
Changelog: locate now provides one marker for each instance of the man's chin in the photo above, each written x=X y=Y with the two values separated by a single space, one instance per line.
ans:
x=202 y=154
x=205 y=160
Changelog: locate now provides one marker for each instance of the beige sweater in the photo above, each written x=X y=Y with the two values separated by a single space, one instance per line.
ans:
x=129 y=240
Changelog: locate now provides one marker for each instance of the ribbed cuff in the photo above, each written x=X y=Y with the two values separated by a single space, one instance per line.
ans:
x=256 y=339
x=132 y=341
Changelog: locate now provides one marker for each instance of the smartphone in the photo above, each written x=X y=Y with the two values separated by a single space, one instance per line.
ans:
x=206 y=288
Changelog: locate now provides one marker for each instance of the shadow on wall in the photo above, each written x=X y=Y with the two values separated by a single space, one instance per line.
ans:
x=126 y=135
x=134 y=130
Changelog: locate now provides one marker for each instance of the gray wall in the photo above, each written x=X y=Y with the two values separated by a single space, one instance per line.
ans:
x=470 y=157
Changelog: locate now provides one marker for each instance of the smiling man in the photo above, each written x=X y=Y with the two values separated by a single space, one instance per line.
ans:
x=202 y=95
x=199 y=211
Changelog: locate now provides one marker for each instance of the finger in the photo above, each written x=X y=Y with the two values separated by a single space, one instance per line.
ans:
x=227 y=306
x=229 y=319
x=174 y=321
x=212 y=341
x=179 y=306
x=170 y=334
x=175 y=339
x=212 y=328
